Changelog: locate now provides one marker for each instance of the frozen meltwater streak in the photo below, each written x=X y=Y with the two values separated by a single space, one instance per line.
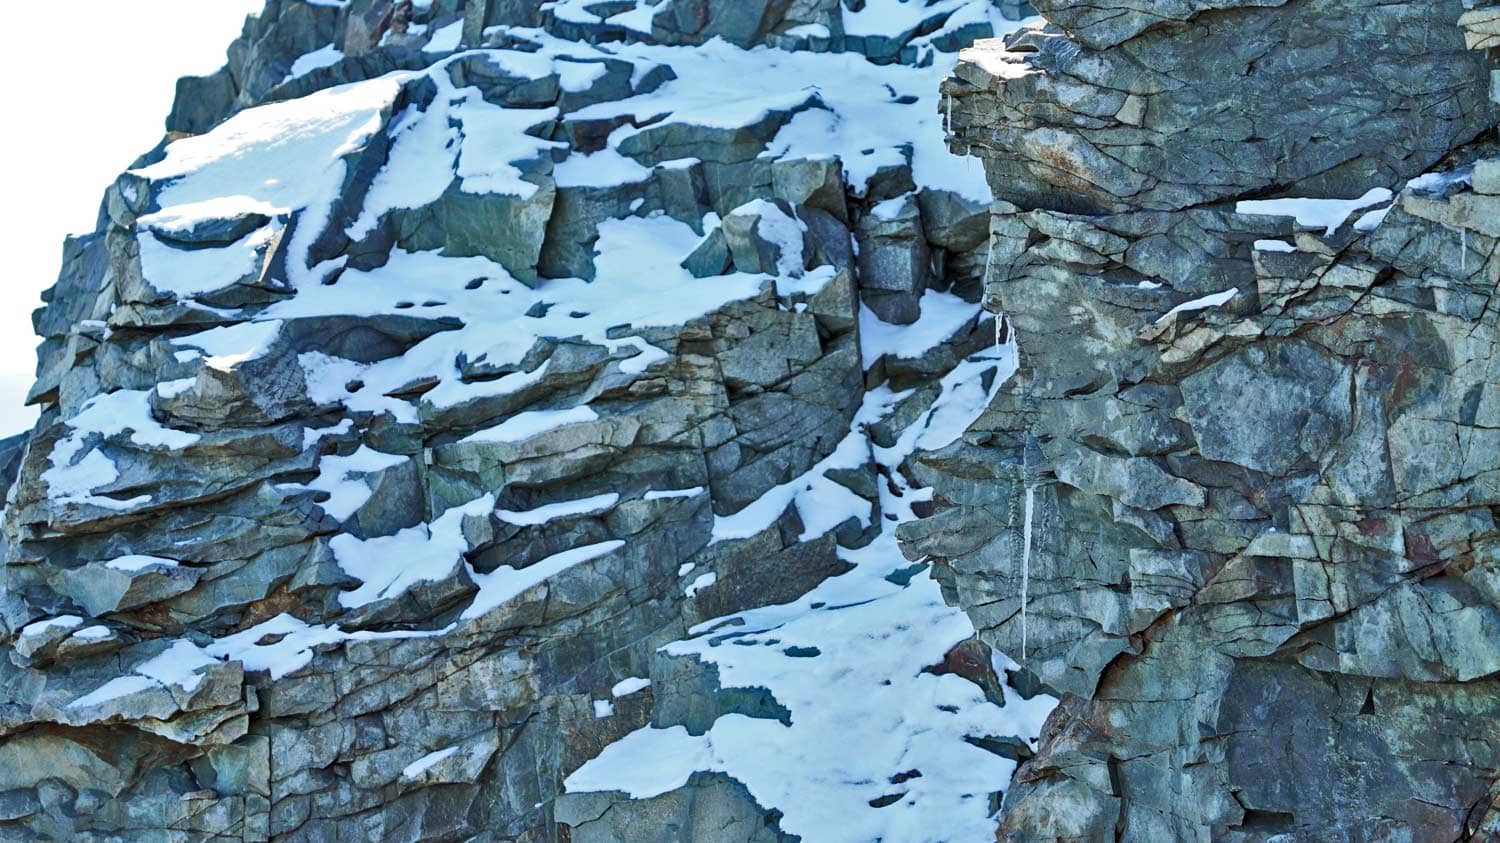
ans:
x=1026 y=560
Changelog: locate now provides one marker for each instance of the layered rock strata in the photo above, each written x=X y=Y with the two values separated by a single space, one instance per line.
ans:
x=466 y=397
x=1238 y=507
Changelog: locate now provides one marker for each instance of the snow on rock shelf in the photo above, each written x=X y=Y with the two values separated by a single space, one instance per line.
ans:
x=481 y=419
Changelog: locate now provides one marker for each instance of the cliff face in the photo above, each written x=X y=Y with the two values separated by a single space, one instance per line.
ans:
x=494 y=420
x=1238 y=505
x=490 y=422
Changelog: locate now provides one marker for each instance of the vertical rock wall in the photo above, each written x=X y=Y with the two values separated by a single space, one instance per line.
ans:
x=1251 y=449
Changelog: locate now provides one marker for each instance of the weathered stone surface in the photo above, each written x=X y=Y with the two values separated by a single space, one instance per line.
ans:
x=1236 y=506
x=1107 y=23
x=1486 y=176
x=451 y=362
x=895 y=265
x=103 y=589
x=12 y=450
x=1100 y=116
x=709 y=807
x=696 y=21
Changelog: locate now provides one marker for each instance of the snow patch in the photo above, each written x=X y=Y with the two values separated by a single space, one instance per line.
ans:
x=1327 y=214
x=506 y=583
x=1218 y=299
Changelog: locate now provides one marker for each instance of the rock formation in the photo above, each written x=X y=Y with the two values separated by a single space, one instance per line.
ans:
x=490 y=420
x=504 y=420
x=1238 y=505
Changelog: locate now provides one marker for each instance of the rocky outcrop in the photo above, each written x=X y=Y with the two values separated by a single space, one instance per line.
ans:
x=494 y=420
x=1237 y=507
x=1240 y=99
x=467 y=397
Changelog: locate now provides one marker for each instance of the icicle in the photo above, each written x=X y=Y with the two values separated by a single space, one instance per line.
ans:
x=948 y=118
x=1026 y=560
x=1030 y=466
x=1463 y=251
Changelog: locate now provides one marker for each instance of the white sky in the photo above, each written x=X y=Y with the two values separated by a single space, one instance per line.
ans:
x=91 y=82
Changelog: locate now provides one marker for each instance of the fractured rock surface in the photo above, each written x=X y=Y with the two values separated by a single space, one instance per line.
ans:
x=494 y=420
x=1218 y=100
x=470 y=395
x=1238 y=506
